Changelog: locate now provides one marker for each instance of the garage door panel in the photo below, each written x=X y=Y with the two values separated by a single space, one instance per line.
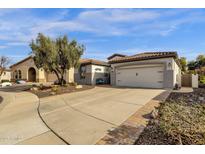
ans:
x=149 y=77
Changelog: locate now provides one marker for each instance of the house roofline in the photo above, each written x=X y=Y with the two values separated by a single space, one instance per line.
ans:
x=115 y=54
x=93 y=62
x=21 y=61
x=156 y=55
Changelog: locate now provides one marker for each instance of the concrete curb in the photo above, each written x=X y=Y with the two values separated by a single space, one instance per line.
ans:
x=38 y=110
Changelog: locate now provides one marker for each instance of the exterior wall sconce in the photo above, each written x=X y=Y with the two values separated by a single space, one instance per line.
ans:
x=169 y=66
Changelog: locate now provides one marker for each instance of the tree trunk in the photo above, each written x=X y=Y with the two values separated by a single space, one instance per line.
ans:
x=57 y=76
x=1 y=71
x=62 y=78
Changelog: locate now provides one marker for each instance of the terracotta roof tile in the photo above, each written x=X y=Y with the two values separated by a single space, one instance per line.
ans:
x=25 y=59
x=144 y=56
x=115 y=54
x=82 y=61
x=93 y=61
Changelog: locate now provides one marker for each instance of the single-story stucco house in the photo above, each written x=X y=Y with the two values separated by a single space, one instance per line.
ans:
x=27 y=70
x=146 y=70
x=87 y=73
x=90 y=70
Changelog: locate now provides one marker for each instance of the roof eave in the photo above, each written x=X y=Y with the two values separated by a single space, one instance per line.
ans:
x=141 y=59
x=91 y=63
x=21 y=61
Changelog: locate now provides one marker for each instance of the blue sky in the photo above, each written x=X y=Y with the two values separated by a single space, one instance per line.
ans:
x=106 y=31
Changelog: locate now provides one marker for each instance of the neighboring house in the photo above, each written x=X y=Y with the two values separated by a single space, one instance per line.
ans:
x=146 y=70
x=6 y=75
x=27 y=70
x=90 y=70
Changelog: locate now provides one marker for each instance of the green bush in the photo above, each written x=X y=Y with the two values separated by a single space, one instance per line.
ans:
x=41 y=86
x=2 y=81
x=73 y=84
x=54 y=88
x=202 y=79
x=184 y=123
x=34 y=85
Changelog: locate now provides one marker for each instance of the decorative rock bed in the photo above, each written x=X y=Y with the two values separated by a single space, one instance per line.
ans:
x=181 y=120
x=46 y=91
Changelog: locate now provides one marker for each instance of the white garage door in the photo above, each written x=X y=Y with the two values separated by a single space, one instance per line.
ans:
x=147 y=77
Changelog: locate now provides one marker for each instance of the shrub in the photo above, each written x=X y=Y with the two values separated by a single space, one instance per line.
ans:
x=34 y=85
x=2 y=81
x=41 y=86
x=73 y=84
x=202 y=79
x=54 y=88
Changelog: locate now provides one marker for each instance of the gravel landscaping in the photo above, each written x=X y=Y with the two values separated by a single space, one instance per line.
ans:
x=179 y=120
x=45 y=91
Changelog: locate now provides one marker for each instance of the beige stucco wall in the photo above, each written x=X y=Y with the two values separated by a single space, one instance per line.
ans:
x=51 y=77
x=6 y=75
x=41 y=75
x=195 y=81
x=24 y=67
x=70 y=75
x=177 y=73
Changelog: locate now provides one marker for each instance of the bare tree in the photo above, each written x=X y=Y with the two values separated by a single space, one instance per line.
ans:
x=4 y=62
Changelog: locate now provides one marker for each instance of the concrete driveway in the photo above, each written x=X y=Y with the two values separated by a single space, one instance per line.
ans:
x=20 y=122
x=85 y=117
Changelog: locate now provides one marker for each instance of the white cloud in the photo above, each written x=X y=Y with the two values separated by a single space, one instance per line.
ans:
x=100 y=22
x=17 y=44
x=118 y=15
x=4 y=11
x=3 y=46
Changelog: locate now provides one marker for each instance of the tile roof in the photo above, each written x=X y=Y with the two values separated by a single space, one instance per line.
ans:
x=144 y=56
x=82 y=61
x=116 y=54
x=93 y=61
x=25 y=59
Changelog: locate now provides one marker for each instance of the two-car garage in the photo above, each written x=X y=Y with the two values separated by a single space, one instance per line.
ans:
x=146 y=70
x=145 y=76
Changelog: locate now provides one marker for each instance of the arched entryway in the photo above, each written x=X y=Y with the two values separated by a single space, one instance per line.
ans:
x=32 y=74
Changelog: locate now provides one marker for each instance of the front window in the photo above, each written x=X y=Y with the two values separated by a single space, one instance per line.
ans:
x=98 y=69
x=15 y=74
x=19 y=74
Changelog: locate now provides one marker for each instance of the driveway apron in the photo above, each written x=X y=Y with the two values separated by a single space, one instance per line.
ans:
x=20 y=122
x=85 y=117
